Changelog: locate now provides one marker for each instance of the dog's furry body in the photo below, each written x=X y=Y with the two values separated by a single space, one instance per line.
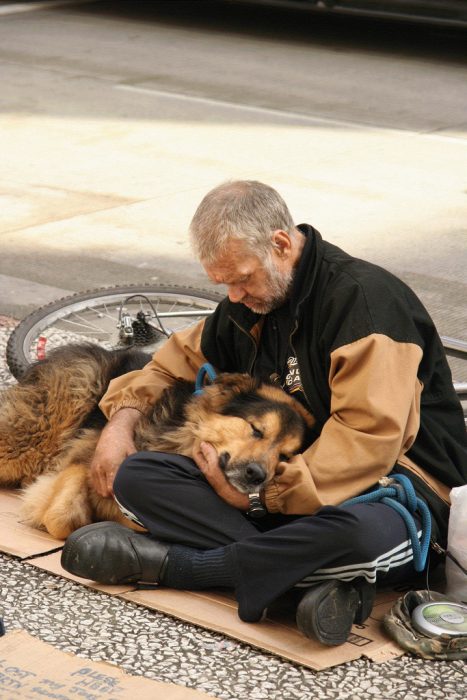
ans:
x=50 y=424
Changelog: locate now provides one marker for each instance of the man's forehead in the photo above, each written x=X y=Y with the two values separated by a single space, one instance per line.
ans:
x=228 y=270
x=236 y=262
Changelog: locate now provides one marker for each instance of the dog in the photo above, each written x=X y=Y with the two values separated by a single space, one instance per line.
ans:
x=50 y=424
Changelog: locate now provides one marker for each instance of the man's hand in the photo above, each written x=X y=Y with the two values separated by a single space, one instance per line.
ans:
x=114 y=446
x=208 y=462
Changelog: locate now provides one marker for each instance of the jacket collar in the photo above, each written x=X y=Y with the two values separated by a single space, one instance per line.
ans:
x=307 y=269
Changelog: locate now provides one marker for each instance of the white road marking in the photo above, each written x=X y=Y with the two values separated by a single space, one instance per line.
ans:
x=17 y=7
x=236 y=105
x=297 y=116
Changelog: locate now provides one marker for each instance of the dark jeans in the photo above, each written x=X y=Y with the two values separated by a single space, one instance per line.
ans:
x=172 y=499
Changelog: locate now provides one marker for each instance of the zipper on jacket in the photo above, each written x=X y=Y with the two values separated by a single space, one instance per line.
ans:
x=437 y=548
x=292 y=333
x=255 y=345
x=276 y=376
x=445 y=552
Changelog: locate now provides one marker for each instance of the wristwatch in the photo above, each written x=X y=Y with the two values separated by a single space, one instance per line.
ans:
x=256 y=508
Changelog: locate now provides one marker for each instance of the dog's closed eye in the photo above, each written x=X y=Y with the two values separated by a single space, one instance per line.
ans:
x=257 y=433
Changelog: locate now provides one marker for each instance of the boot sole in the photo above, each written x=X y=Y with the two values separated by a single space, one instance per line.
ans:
x=327 y=612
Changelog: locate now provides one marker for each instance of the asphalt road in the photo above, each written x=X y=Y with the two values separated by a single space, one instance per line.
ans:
x=115 y=120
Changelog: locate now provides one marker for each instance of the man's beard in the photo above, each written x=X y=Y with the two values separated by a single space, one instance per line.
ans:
x=278 y=289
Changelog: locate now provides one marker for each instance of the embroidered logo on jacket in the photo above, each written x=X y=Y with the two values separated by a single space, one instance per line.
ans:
x=292 y=381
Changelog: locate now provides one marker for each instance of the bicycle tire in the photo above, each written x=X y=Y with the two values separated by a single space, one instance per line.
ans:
x=185 y=305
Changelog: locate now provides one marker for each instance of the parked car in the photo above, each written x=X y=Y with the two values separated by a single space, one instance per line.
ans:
x=448 y=12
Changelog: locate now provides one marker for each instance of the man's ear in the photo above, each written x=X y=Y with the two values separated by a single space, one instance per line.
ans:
x=281 y=243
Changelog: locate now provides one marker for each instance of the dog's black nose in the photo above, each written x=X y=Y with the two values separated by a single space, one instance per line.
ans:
x=255 y=474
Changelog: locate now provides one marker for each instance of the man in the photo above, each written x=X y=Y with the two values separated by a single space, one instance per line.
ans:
x=351 y=342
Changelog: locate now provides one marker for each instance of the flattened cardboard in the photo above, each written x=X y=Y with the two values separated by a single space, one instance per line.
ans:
x=31 y=668
x=216 y=611
x=15 y=537
x=277 y=633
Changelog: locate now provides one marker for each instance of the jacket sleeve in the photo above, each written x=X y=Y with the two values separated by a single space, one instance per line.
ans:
x=374 y=419
x=179 y=358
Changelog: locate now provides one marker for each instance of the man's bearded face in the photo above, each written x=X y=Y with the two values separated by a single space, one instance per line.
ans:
x=258 y=284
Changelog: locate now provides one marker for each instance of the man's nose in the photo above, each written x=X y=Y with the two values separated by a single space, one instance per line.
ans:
x=235 y=293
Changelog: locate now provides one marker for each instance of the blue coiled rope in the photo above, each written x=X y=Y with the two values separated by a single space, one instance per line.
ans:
x=402 y=497
x=206 y=370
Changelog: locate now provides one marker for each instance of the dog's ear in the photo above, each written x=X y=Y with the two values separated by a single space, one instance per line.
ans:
x=232 y=383
x=276 y=393
x=236 y=383
x=225 y=388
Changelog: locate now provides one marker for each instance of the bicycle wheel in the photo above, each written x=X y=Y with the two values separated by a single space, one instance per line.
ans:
x=114 y=317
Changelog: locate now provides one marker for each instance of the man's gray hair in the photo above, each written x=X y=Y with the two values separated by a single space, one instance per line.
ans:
x=243 y=210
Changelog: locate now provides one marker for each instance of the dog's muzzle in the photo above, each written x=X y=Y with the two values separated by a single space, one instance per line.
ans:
x=245 y=476
x=255 y=474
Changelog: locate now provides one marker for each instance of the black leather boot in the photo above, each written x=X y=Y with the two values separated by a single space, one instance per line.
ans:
x=111 y=553
x=328 y=610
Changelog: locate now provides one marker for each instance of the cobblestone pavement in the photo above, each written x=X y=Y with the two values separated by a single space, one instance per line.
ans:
x=142 y=642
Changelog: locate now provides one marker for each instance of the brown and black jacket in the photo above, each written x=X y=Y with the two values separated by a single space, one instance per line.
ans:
x=373 y=373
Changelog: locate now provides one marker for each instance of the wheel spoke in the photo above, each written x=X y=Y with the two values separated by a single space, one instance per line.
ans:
x=94 y=317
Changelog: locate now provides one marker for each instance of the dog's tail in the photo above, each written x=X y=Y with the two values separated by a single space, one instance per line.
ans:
x=53 y=400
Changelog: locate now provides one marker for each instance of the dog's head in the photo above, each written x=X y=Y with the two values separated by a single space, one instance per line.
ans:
x=252 y=425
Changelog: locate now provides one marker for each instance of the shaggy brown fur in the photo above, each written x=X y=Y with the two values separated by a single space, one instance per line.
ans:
x=50 y=425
